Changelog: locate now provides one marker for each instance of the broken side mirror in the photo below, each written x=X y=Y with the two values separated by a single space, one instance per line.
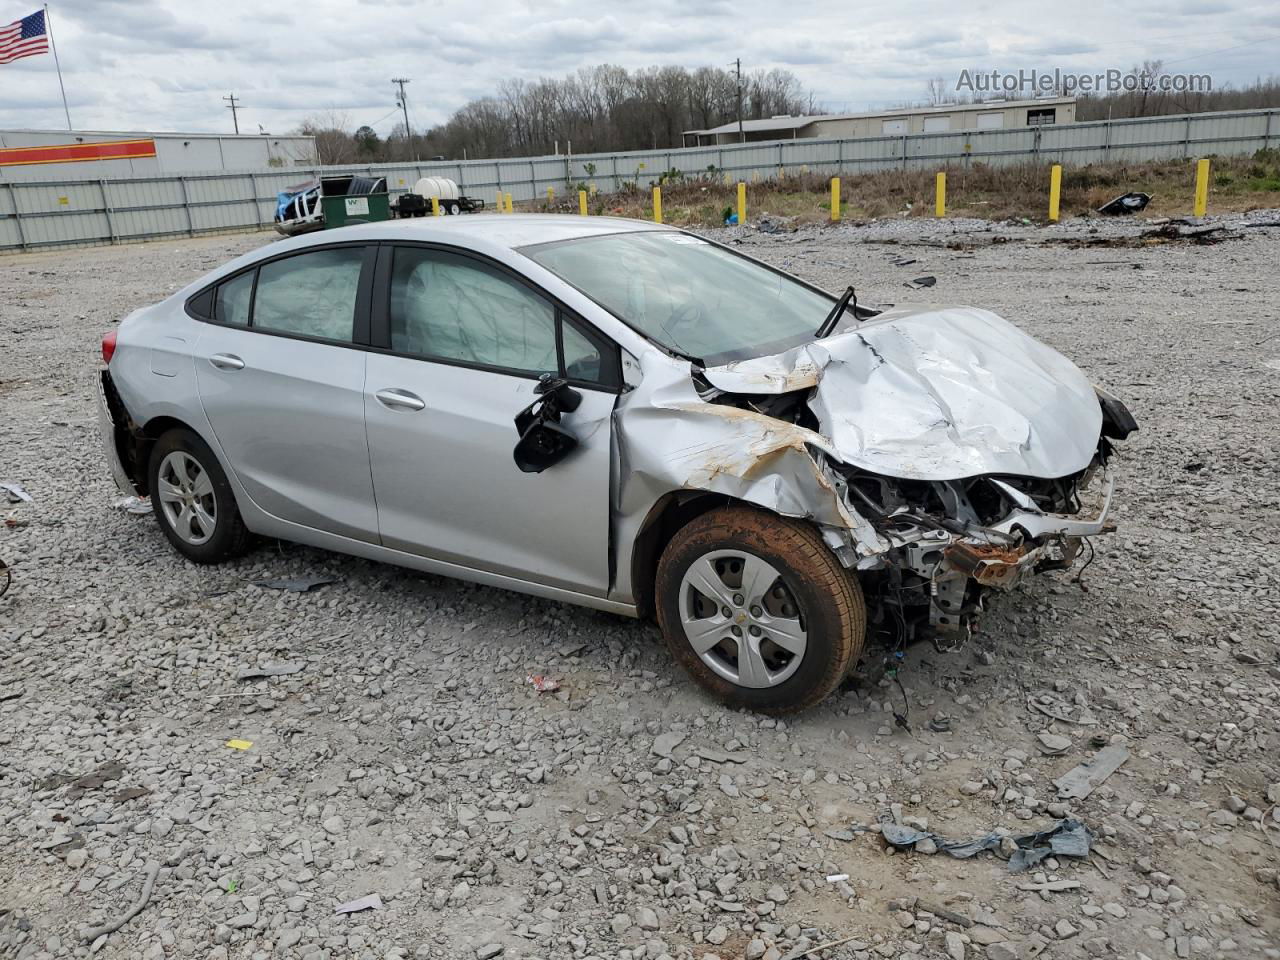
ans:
x=543 y=441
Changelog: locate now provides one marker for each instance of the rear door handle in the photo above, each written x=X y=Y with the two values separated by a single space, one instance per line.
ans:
x=400 y=400
x=227 y=361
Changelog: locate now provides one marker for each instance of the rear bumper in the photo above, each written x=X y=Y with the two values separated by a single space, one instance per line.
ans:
x=110 y=432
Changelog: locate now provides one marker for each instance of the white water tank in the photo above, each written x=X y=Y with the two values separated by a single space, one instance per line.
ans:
x=441 y=187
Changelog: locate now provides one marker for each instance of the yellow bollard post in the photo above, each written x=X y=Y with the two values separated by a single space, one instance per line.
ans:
x=551 y=195
x=657 y=204
x=835 y=199
x=435 y=206
x=1055 y=191
x=582 y=202
x=510 y=208
x=742 y=202
x=592 y=188
x=940 y=195
x=502 y=203
x=1202 y=187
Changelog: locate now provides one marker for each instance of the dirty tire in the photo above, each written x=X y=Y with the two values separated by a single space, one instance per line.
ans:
x=230 y=537
x=828 y=596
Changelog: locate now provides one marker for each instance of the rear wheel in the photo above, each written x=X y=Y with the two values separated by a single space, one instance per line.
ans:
x=759 y=610
x=193 y=501
x=454 y=208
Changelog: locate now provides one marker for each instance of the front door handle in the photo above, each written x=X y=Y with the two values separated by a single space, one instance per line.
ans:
x=227 y=361
x=400 y=400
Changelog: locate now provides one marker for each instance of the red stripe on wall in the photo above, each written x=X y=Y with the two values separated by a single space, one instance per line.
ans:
x=72 y=152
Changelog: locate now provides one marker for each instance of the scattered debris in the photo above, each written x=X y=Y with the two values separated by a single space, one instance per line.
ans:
x=12 y=520
x=837 y=877
x=920 y=283
x=1051 y=886
x=1052 y=744
x=90 y=934
x=271 y=670
x=1067 y=838
x=543 y=684
x=371 y=902
x=14 y=491
x=296 y=584
x=1126 y=203
x=1201 y=236
x=239 y=744
x=1054 y=708
x=139 y=506
x=959 y=919
x=106 y=773
x=819 y=948
x=1079 y=782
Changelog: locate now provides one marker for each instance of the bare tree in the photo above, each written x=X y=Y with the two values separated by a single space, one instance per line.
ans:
x=334 y=144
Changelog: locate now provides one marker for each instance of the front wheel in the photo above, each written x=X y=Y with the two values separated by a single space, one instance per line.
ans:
x=193 y=501
x=759 y=610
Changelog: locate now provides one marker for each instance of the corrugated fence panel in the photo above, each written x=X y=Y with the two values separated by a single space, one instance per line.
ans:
x=66 y=228
x=38 y=213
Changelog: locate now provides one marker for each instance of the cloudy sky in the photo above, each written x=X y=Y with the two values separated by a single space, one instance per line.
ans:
x=164 y=65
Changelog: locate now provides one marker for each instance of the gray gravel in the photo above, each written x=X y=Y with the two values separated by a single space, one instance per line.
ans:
x=625 y=815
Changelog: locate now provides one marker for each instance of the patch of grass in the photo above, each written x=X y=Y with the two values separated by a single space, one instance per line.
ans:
x=973 y=190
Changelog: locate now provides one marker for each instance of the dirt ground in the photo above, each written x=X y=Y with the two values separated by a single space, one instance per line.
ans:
x=627 y=816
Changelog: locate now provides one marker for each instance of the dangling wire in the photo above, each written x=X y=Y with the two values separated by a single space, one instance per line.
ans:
x=1079 y=577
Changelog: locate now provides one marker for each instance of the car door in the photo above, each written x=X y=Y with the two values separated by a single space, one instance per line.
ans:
x=465 y=342
x=281 y=370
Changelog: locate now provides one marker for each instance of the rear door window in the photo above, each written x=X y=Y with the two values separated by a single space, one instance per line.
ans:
x=312 y=295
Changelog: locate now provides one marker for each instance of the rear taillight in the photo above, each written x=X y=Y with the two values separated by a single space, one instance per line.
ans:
x=108 y=347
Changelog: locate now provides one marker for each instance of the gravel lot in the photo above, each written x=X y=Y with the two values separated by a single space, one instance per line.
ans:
x=627 y=816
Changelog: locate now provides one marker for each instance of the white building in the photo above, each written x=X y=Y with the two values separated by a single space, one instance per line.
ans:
x=94 y=154
x=948 y=118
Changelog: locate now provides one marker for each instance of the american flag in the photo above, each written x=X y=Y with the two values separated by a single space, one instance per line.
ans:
x=24 y=38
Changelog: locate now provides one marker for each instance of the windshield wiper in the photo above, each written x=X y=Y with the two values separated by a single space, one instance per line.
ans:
x=833 y=317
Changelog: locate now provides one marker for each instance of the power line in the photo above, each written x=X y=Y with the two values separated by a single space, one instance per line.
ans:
x=231 y=105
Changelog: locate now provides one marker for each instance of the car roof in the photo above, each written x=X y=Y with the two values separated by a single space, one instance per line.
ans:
x=510 y=231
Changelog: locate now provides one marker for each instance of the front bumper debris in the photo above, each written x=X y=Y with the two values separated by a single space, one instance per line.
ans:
x=960 y=569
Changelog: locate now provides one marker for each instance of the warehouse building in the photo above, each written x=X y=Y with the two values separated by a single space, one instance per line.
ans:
x=93 y=155
x=949 y=118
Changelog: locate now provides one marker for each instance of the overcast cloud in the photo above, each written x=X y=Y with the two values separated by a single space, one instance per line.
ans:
x=155 y=65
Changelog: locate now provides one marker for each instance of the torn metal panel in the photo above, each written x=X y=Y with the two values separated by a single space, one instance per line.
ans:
x=669 y=438
x=937 y=393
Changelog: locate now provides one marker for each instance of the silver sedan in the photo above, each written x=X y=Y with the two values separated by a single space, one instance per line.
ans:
x=621 y=415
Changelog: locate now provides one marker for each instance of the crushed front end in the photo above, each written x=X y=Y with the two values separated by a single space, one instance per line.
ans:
x=951 y=543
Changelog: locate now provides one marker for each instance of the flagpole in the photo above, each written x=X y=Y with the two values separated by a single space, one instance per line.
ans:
x=49 y=28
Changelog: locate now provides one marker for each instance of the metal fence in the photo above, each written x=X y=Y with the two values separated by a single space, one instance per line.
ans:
x=37 y=214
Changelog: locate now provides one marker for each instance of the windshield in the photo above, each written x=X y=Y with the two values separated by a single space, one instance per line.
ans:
x=687 y=294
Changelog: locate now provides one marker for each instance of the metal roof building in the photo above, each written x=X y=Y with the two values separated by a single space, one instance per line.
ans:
x=992 y=115
x=94 y=154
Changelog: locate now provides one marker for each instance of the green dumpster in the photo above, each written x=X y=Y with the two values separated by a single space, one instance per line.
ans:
x=342 y=207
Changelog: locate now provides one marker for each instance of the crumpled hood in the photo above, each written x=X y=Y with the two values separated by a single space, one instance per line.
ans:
x=927 y=392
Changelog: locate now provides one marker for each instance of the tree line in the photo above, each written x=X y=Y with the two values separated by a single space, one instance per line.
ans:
x=596 y=110
x=609 y=108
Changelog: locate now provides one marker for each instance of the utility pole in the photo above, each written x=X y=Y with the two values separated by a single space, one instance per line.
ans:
x=231 y=105
x=404 y=105
x=737 y=63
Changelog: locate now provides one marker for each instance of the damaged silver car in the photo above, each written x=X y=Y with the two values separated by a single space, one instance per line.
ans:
x=620 y=415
